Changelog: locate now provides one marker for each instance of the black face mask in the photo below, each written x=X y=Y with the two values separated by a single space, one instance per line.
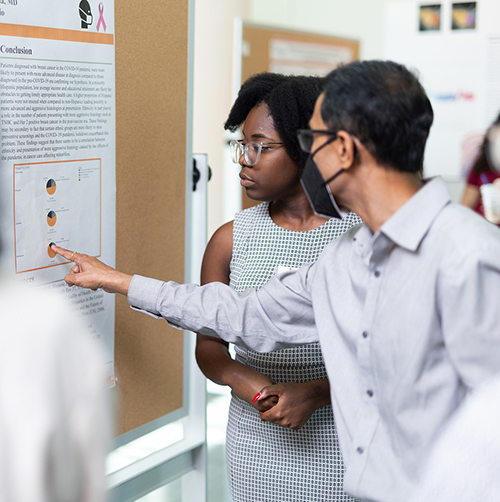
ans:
x=318 y=192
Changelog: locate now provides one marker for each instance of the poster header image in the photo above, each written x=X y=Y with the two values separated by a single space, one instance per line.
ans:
x=87 y=16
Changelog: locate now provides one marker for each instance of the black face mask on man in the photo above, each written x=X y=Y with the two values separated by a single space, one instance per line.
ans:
x=317 y=190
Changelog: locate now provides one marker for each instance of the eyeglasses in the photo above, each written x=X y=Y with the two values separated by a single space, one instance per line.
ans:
x=251 y=151
x=306 y=137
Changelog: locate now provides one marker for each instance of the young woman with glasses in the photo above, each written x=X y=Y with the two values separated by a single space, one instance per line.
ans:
x=286 y=448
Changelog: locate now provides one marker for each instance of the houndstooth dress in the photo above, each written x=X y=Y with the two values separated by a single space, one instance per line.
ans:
x=267 y=462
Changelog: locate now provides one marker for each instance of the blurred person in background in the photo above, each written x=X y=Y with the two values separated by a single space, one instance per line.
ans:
x=482 y=191
x=465 y=461
x=54 y=410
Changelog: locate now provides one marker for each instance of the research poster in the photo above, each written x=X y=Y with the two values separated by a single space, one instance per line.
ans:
x=57 y=170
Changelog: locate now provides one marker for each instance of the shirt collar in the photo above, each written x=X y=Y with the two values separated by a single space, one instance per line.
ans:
x=410 y=223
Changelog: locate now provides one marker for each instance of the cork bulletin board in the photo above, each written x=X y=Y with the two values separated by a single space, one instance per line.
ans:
x=266 y=48
x=151 y=112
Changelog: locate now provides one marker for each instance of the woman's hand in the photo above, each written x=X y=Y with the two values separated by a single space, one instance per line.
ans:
x=91 y=273
x=296 y=402
x=247 y=383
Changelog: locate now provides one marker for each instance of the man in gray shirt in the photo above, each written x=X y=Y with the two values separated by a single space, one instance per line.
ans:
x=406 y=306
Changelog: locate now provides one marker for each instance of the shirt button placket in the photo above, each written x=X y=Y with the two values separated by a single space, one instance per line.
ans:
x=370 y=412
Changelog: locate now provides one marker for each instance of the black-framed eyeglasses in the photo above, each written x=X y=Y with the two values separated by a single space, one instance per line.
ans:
x=251 y=151
x=306 y=137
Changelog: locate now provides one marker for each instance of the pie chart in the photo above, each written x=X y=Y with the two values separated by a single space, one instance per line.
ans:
x=51 y=187
x=51 y=218
x=50 y=252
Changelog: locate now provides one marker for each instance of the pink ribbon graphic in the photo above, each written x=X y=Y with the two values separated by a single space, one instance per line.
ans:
x=101 y=18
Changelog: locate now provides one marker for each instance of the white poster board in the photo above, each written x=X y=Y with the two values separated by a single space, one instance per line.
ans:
x=57 y=168
x=292 y=57
x=459 y=66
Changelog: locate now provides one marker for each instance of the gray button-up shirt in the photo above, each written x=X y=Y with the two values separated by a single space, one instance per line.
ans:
x=408 y=319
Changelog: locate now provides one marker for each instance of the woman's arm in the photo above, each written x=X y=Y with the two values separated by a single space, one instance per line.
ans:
x=212 y=354
x=289 y=404
x=471 y=195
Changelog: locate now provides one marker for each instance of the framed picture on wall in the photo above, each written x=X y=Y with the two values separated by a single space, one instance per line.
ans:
x=430 y=17
x=463 y=16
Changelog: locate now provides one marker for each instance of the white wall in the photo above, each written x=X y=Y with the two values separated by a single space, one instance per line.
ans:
x=213 y=50
x=359 y=19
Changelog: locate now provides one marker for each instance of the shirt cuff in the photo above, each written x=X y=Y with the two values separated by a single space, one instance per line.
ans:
x=143 y=294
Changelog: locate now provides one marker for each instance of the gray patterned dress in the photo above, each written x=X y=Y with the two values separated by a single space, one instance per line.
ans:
x=267 y=462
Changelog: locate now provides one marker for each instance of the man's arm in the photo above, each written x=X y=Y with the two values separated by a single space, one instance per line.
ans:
x=470 y=315
x=90 y=273
x=276 y=316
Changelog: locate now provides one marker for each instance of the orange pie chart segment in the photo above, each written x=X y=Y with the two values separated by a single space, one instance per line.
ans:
x=51 y=218
x=51 y=187
x=50 y=252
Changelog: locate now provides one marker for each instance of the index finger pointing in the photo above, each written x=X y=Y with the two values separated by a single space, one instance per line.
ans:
x=65 y=253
